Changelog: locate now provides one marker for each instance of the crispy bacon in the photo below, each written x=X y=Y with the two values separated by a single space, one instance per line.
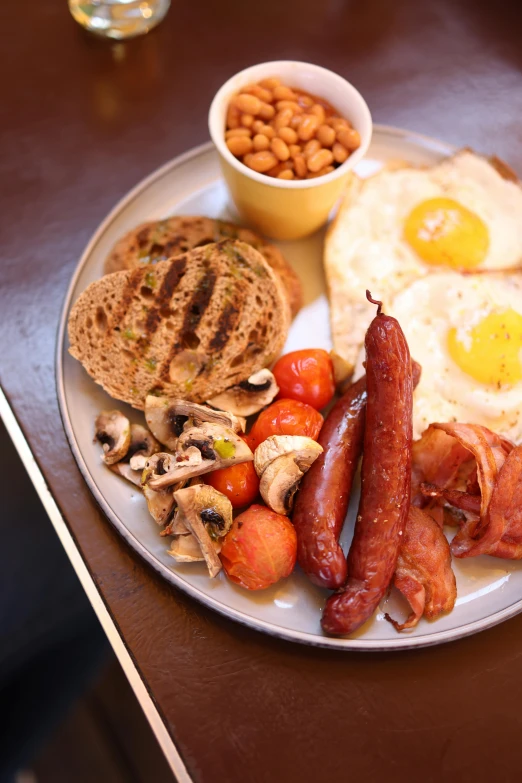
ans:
x=465 y=476
x=474 y=440
x=436 y=459
x=424 y=574
x=466 y=501
x=505 y=508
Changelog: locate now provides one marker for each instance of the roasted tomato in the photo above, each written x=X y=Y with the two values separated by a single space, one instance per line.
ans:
x=286 y=417
x=306 y=376
x=259 y=549
x=239 y=483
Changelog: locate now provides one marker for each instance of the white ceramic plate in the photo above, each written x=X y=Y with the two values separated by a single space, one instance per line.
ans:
x=489 y=590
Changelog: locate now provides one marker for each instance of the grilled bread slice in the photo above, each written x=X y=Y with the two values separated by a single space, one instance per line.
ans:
x=161 y=239
x=188 y=327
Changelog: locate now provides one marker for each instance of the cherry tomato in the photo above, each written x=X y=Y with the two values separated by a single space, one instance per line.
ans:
x=239 y=483
x=286 y=417
x=306 y=376
x=259 y=549
x=250 y=442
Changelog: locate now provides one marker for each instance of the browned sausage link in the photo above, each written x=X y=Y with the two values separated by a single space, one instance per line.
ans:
x=385 y=479
x=322 y=501
x=325 y=489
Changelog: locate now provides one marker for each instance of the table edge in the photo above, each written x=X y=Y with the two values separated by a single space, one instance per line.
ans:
x=143 y=696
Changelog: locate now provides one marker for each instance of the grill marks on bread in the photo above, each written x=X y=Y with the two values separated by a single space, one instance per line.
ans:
x=195 y=310
x=188 y=327
x=159 y=240
x=226 y=325
x=166 y=292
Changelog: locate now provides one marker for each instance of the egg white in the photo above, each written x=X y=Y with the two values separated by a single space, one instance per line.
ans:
x=426 y=311
x=365 y=247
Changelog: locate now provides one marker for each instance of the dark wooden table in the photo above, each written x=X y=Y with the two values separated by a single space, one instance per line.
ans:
x=82 y=121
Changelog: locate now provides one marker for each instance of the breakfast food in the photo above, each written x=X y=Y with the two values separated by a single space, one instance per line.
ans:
x=281 y=461
x=259 y=549
x=424 y=574
x=287 y=133
x=286 y=417
x=190 y=327
x=306 y=375
x=322 y=502
x=471 y=329
x=239 y=483
x=459 y=474
x=403 y=224
x=243 y=485
x=159 y=240
x=385 y=478
x=474 y=477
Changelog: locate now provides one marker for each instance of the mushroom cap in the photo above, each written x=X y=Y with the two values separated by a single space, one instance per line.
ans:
x=279 y=483
x=305 y=450
x=207 y=513
x=168 y=417
x=198 y=414
x=162 y=470
x=248 y=397
x=143 y=444
x=162 y=422
x=112 y=430
x=160 y=504
x=199 y=450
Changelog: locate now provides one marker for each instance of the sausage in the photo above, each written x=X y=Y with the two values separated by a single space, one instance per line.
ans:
x=385 y=478
x=324 y=494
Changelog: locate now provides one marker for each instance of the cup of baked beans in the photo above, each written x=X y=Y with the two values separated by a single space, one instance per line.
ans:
x=288 y=135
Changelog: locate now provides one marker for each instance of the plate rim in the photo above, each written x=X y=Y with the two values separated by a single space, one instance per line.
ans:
x=341 y=644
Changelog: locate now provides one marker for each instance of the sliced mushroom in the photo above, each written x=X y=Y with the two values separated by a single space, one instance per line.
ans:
x=249 y=396
x=281 y=461
x=208 y=515
x=163 y=422
x=176 y=526
x=112 y=430
x=143 y=444
x=186 y=549
x=168 y=417
x=162 y=470
x=303 y=449
x=198 y=414
x=280 y=482
x=160 y=504
x=124 y=470
x=199 y=450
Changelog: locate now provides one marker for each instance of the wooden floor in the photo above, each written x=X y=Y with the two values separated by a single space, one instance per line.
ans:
x=105 y=739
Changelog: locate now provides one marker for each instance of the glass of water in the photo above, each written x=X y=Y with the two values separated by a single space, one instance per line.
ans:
x=119 y=18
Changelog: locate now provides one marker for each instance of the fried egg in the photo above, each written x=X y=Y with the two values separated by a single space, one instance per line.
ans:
x=466 y=332
x=406 y=224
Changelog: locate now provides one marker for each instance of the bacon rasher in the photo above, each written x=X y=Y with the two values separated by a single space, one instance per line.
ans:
x=424 y=575
x=462 y=465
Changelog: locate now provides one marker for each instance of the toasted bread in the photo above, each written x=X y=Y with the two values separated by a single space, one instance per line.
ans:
x=188 y=327
x=159 y=240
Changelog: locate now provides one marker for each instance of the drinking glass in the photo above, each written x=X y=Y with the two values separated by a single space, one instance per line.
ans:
x=119 y=18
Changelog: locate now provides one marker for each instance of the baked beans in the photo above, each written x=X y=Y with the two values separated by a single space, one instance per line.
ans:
x=286 y=133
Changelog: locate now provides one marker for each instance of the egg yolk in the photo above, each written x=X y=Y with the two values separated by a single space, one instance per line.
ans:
x=493 y=350
x=443 y=232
